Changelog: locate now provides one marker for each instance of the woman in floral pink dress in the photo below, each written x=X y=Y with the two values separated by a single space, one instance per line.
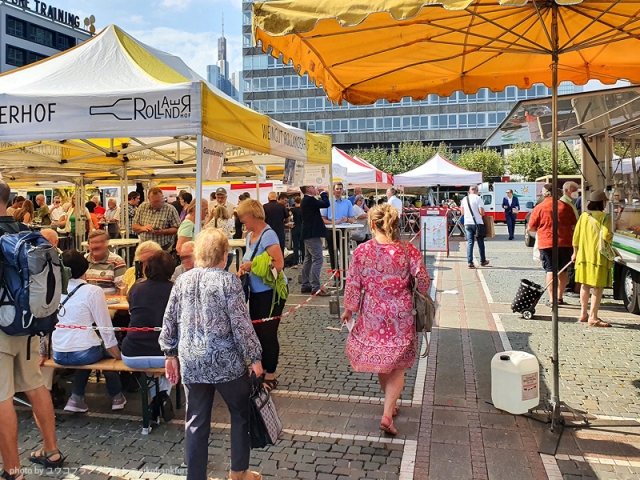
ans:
x=384 y=339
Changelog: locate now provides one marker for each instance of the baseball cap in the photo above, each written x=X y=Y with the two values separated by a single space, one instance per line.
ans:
x=221 y=191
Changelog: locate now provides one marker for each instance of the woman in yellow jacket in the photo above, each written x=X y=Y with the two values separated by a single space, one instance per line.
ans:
x=593 y=269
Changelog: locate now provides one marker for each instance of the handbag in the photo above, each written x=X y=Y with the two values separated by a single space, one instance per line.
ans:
x=264 y=423
x=244 y=278
x=423 y=307
x=481 y=230
x=604 y=247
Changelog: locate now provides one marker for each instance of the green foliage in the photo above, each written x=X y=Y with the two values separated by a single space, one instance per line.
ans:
x=485 y=160
x=404 y=157
x=534 y=160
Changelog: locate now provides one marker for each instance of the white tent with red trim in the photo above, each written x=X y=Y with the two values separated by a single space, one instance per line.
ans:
x=359 y=172
x=437 y=171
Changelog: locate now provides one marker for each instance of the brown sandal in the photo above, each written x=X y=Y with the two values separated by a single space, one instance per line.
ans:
x=598 y=323
x=584 y=319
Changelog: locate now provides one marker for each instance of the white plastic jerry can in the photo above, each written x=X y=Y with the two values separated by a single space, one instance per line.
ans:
x=515 y=381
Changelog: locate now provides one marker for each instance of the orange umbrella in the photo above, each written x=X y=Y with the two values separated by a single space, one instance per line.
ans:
x=363 y=51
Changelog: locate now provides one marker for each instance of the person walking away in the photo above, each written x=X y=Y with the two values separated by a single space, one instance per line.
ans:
x=313 y=231
x=42 y=215
x=541 y=223
x=276 y=215
x=19 y=372
x=208 y=339
x=296 y=233
x=261 y=238
x=344 y=214
x=473 y=211
x=593 y=269
x=511 y=206
x=156 y=220
x=383 y=339
x=86 y=306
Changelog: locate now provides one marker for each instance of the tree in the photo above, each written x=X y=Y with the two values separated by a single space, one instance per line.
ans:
x=485 y=160
x=534 y=160
x=406 y=156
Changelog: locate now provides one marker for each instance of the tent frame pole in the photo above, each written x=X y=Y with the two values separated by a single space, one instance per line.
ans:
x=337 y=279
x=198 y=198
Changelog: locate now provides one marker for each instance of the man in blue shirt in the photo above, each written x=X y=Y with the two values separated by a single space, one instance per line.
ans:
x=344 y=214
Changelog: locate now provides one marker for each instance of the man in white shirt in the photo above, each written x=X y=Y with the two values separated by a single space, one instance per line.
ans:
x=473 y=211
x=56 y=210
x=85 y=306
x=394 y=201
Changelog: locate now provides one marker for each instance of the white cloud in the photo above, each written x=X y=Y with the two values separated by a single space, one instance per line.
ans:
x=175 y=4
x=197 y=50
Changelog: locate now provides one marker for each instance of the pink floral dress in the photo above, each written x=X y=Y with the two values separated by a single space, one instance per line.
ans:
x=384 y=336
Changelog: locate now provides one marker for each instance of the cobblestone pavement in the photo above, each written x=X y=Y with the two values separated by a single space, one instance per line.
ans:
x=447 y=427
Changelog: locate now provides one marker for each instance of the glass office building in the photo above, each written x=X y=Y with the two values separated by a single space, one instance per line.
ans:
x=274 y=88
x=28 y=36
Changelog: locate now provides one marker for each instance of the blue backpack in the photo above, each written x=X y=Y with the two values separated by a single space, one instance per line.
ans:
x=30 y=284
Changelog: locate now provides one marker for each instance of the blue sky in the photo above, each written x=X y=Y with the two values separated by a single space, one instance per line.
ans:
x=188 y=28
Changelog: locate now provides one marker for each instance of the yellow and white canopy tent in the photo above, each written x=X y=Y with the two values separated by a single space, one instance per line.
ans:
x=113 y=107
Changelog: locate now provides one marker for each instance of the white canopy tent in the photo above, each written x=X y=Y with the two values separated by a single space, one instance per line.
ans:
x=437 y=171
x=113 y=107
x=360 y=173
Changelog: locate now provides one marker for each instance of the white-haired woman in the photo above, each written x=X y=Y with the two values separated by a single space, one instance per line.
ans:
x=384 y=339
x=208 y=338
x=144 y=251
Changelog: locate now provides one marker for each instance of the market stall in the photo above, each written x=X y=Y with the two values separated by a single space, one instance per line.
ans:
x=115 y=108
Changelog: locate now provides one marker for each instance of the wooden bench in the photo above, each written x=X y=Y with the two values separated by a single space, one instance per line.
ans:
x=113 y=365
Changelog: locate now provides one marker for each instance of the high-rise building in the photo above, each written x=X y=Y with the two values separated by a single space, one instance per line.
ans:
x=218 y=75
x=276 y=89
x=28 y=35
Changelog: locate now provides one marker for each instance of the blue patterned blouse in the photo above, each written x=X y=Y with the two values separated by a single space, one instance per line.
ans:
x=207 y=325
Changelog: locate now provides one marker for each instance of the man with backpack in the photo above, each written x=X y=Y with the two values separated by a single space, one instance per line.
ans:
x=20 y=372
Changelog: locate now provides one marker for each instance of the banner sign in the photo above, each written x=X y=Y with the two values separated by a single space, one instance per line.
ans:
x=315 y=174
x=212 y=159
x=149 y=114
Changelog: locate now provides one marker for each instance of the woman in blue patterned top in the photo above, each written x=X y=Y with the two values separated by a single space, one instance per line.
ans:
x=207 y=335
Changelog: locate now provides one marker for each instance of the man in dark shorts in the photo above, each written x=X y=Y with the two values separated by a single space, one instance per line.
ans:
x=541 y=222
x=21 y=374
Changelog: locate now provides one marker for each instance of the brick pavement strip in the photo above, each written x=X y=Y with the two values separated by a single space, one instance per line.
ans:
x=460 y=435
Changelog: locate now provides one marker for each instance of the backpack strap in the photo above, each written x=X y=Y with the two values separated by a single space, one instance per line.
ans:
x=62 y=305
